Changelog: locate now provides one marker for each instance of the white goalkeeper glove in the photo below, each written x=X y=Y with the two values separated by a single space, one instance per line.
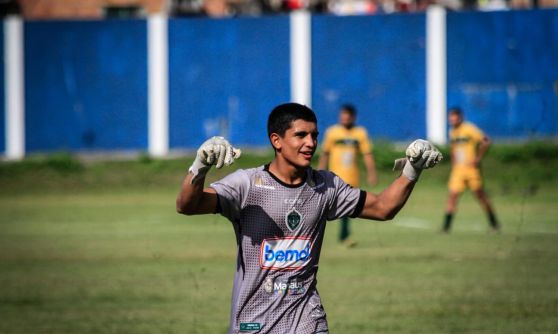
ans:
x=214 y=151
x=421 y=154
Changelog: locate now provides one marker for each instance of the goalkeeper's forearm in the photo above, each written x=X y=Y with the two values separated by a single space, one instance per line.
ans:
x=190 y=195
x=389 y=202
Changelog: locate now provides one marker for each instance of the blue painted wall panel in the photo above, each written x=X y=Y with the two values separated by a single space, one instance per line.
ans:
x=2 y=97
x=503 y=70
x=376 y=63
x=86 y=81
x=225 y=77
x=86 y=85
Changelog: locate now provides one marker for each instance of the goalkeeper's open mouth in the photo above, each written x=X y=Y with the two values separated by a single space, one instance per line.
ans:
x=307 y=154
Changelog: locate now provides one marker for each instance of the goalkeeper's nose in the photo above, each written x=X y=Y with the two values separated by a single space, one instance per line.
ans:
x=310 y=141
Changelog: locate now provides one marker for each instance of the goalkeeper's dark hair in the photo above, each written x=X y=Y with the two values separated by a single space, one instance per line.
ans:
x=281 y=117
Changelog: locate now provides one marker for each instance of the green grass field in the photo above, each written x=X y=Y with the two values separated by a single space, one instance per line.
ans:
x=98 y=248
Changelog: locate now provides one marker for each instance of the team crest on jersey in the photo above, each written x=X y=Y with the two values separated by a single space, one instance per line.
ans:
x=293 y=219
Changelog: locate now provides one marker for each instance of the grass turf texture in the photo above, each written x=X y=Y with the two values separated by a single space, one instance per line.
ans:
x=98 y=248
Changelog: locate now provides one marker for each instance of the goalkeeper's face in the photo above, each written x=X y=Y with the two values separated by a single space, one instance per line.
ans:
x=298 y=145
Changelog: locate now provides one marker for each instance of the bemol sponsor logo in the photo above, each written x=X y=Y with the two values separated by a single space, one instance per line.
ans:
x=285 y=253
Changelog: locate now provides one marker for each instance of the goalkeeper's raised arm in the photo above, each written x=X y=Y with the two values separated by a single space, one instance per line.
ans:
x=421 y=154
x=193 y=198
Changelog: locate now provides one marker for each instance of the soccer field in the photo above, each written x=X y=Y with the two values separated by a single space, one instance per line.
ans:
x=100 y=249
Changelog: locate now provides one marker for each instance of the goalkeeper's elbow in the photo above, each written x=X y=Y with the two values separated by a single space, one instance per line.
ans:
x=387 y=216
x=184 y=208
x=380 y=215
x=388 y=213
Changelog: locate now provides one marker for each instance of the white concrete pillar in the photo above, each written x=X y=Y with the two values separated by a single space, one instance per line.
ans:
x=301 y=53
x=436 y=90
x=14 y=86
x=158 y=82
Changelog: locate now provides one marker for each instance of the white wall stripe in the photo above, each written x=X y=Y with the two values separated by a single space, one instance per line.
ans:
x=436 y=122
x=301 y=66
x=158 y=120
x=14 y=88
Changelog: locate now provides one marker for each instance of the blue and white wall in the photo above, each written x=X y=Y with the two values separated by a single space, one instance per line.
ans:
x=163 y=84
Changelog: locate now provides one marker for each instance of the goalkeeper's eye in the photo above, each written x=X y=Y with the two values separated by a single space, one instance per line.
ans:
x=301 y=134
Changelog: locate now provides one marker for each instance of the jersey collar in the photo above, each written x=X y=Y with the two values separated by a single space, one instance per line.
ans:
x=297 y=185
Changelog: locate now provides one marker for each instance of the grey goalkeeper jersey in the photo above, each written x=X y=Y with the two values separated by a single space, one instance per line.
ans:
x=279 y=231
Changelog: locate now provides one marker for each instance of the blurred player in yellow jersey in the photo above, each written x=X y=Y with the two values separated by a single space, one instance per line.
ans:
x=343 y=143
x=468 y=146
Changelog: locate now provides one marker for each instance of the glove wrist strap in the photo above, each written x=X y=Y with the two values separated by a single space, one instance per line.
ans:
x=411 y=172
x=198 y=170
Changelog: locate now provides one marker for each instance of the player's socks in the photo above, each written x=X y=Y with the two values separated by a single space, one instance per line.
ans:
x=447 y=222
x=344 y=232
x=493 y=221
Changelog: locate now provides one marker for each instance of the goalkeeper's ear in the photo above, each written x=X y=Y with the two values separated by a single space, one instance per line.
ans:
x=275 y=140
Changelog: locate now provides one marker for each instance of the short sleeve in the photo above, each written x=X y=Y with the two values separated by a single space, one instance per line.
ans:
x=365 y=145
x=232 y=191
x=476 y=133
x=345 y=200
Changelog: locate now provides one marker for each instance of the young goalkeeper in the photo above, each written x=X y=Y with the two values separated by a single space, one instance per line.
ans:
x=279 y=213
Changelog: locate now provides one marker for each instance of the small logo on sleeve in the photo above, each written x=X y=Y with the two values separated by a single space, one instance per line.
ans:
x=287 y=253
x=260 y=183
x=250 y=326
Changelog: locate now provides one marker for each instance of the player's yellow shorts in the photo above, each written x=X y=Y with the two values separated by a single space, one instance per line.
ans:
x=462 y=178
